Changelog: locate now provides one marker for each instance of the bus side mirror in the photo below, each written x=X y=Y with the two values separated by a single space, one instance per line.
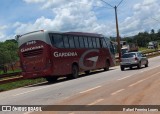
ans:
x=17 y=37
x=113 y=48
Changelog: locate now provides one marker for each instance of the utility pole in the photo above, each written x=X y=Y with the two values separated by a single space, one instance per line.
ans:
x=117 y=29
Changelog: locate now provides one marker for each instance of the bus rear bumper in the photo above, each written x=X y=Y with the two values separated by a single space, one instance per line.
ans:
x=40 y=74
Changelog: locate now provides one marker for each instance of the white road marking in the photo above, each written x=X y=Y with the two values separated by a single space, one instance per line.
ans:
x=136 y=83
x=28 y=112
x=125 y=77
x=90 y=89
x=95 y=102
x=29 y=91
x=153 y=75
x=65 y=98
x=136 y=73
x=114 y=93
x=151 y=68
x=71 y=113
x=86 y=90
x=143 y=80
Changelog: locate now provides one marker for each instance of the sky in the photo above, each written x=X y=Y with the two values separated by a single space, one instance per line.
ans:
x=96 y=16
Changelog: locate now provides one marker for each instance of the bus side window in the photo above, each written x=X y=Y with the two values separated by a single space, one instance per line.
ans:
x=71 y=42
x=86 y=42
x=103 y=43
x=112 y=48
x=81 y=42
x=90 y=42
x=66 y=42
x=94 y=42
x=56 y=40
x=76 y=40
x=98 y=43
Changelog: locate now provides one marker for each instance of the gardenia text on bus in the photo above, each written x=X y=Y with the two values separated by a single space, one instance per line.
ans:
x=65 y=54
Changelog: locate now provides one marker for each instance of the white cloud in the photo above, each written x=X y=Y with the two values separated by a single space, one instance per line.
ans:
x=4 y=37
x=137 y=6
x=55 y=3
x=71 y=15
x=2 y=34
x=3 y=27
x=141 y=20
x=34 y=1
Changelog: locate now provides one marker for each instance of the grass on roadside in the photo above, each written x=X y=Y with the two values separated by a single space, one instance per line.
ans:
x=145 y=50
x=21 y=83
x=10 y=71
x=155 y=55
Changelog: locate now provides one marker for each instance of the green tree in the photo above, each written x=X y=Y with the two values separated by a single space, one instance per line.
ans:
x=8 y=51
x=153 y=35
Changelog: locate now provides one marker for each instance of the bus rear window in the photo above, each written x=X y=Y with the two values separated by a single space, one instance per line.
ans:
x=32 y=53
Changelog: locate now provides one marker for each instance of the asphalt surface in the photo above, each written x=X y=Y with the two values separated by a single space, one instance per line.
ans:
x=114 y=87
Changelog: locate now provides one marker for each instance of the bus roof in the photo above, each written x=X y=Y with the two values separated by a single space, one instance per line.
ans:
x=84 y=33
x=69 y=33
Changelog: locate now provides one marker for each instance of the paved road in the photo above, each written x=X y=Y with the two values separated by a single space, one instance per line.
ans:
x=114 y=87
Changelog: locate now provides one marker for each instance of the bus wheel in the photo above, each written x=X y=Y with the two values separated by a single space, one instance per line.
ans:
x=51 y=79
x=87 y=72
x=75 y=71
x=106 y=66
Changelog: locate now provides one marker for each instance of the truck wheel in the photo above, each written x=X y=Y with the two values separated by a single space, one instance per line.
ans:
x=51 y=79
x=106 y=68
x=75 y=71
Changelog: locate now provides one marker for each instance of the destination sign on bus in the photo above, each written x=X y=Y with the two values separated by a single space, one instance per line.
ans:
x=31 y=48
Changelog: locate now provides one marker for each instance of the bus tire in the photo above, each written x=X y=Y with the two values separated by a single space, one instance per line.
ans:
x=51 y=79
x=87 y=72
x=106 y=68
x=75 y=71
x=130 y=67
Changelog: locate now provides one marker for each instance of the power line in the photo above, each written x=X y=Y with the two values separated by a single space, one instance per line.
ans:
x=107 y=3
x=102 y=7
x=120 y=2
x=117 y=28
x=110 y=4
x=91 y=5
x=88 y=5
x=155 y=19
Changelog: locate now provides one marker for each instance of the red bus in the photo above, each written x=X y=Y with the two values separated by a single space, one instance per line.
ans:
x=51 y=54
